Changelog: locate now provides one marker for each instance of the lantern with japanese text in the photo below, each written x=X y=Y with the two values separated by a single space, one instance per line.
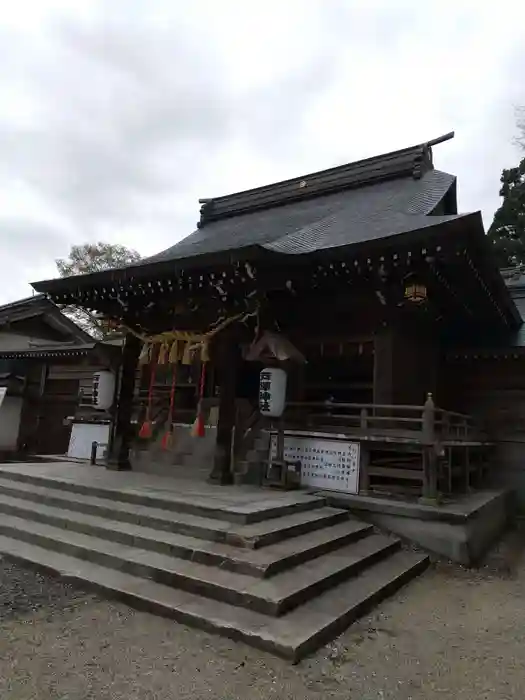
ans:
x=103 y=389
x=272 y=392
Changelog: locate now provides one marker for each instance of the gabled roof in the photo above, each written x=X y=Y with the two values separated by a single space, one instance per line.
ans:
x=349 y=204
x=363 y=201
x=39 y=308
x=324 y=221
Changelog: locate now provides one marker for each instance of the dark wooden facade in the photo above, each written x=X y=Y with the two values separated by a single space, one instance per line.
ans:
x=333 y=262
x=47 y=362
x=56 y=388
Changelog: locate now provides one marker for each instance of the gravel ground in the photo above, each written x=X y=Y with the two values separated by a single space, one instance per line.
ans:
x=451 y=634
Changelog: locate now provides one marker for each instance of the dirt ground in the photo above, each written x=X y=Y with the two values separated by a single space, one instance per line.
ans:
x=452 y=633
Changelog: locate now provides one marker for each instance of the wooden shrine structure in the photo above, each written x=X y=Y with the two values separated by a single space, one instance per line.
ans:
x=47 y=363
x=367 y=269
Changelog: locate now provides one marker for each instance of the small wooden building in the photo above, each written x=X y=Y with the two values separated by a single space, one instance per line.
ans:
x=47 y=366
x=371 y=273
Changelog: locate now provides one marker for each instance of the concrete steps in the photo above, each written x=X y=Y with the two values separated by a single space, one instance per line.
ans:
x=196 y=505
x=255 y=562
x=252 y=535
x=292 y=637
x=284 y=573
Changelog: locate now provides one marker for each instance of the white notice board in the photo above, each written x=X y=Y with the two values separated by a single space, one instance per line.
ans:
x=3 y=392
x=325 y=463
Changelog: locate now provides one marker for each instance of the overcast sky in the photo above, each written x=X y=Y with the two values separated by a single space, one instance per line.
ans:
x=116 y=116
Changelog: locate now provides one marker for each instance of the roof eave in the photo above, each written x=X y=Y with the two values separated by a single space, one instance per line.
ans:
x=39 y=353
x=158 y=268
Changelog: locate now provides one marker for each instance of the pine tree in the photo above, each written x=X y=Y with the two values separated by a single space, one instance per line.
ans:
x=507 y=232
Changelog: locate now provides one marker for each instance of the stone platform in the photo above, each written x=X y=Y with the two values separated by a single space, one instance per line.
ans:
x=462 y=530
x=283 y=572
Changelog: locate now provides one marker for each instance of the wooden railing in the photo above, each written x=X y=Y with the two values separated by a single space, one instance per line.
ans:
x=427 y=428
x=425 y=424
x=424 y=429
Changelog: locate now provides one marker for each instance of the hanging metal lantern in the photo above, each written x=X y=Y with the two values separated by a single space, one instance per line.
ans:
x=415 y=292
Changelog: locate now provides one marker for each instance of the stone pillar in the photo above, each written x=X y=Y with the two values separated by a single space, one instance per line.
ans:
x=118 y=457
x=228 y=363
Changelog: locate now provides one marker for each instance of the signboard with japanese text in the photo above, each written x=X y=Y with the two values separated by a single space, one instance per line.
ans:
x=325 y=463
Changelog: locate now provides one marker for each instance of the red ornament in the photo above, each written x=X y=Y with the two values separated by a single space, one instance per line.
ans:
x=146 y=430
x=167 y=438
x=198 y=429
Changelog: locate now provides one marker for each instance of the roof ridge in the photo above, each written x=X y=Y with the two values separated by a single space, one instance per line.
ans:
x=413 y=162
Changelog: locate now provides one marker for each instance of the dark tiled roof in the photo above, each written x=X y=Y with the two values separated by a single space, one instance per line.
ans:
x=345 y=217
x=517 y=292
x=505 y=346
x=354 y=203
x=38 y=306
x=409 y=162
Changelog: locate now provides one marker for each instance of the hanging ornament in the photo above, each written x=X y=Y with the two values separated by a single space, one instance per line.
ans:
x=205 y=351
x=145 y=354
x=146 y=429
x=173 y=357
x=186 y=355
x=163 y=353
x=167 y=438
x=197 y=429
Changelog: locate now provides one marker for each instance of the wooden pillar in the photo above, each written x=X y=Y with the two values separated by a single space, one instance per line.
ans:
x=118 y=456
x=228 y=361
x=383 y=367
x=364 y=476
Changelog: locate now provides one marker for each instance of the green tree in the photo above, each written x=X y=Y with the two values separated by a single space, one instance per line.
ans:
x=507 y=232
x=87 y=258
x=95 y=257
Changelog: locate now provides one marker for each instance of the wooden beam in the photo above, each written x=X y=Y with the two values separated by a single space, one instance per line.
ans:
x=228 y=360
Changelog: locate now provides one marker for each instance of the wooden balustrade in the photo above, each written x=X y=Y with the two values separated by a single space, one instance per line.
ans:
x=426 y=430
x=426 y=424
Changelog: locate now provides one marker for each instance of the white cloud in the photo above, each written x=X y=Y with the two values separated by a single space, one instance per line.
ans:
x=115 y=117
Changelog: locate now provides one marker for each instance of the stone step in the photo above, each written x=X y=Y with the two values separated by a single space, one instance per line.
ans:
x=256 y=511
x=253 y=536
x=272 y=596
x=292 y=636
x=259 y=562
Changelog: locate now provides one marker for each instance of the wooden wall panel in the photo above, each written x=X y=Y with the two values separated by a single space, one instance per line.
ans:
x=494 y=391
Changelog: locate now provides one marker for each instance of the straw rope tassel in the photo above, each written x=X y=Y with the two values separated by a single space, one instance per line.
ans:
x=205 y=351
x=163 y=353
x=173 y=357
x=186 y=354
x=145 y=353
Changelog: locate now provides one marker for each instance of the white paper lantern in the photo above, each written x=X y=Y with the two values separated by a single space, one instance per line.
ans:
x=272 y=392
x=103 y=389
